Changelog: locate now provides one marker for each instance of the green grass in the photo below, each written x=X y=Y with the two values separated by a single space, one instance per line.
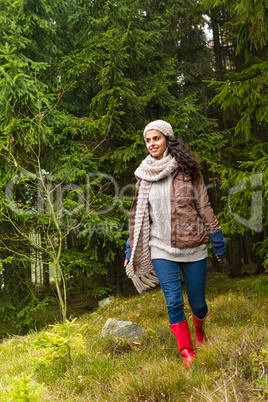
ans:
x=232 y=366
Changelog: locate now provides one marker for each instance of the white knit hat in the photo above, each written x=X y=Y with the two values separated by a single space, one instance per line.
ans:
x=160 y=125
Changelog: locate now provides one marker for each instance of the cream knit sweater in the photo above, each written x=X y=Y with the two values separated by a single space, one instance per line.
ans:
x=160 y=233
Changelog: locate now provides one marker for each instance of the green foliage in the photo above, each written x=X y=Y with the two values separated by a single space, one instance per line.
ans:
x=260 y=282
x=244 y=90
x=22 y=314
x=246 y=199
x=23 y=389
x=241 y=94
x=5 y=261
x=60 y=341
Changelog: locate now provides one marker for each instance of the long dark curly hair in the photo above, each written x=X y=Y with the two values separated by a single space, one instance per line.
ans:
x=184 y=157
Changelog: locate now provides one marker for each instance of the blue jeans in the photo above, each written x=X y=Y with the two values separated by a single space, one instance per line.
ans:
x=194 y=275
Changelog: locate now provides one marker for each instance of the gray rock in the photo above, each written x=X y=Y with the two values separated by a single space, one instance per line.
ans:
x=122 y=329
x=106 y=301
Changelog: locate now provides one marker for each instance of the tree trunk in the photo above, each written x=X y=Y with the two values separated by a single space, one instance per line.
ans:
x=217 y=266
x=46 y=276
x=235 y=248
x=245 y=244
x=258 y=238
x=217 y=46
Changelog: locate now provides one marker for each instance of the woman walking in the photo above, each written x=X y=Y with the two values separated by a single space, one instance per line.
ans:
x=170 y=220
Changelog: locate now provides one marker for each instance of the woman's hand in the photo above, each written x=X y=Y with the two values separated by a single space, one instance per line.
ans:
x=218 y=258
x=135 y=266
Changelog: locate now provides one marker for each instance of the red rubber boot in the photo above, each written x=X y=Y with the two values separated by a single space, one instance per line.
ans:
x=183 y=338
x=200 y=335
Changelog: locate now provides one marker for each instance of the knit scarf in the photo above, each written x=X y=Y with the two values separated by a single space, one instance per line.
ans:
x=149 y=171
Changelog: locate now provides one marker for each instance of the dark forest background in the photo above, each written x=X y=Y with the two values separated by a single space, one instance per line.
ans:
x=79 y=80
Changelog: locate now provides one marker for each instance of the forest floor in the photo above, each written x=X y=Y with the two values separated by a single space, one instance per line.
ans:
x=71 y=362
